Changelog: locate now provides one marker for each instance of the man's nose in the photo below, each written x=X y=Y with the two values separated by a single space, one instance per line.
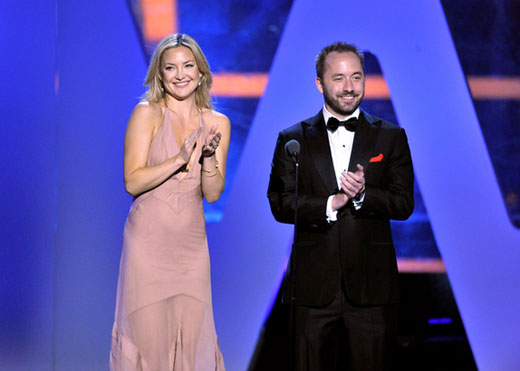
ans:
x=347 y=85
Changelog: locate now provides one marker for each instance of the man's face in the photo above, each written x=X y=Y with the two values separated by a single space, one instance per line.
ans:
x=342 y=84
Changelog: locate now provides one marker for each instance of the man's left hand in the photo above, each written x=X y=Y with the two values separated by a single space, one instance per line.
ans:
x=353 y=184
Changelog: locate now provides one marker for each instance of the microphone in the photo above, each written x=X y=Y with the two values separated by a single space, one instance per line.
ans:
x=292 y=147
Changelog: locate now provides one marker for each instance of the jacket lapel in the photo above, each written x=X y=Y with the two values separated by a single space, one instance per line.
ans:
x=364 y=141
x=319 y=149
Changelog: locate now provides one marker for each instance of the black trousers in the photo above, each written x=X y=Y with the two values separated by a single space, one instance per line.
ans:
x=343 y=336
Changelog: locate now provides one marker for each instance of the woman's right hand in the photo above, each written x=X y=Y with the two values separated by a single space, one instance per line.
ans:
x=189 y=144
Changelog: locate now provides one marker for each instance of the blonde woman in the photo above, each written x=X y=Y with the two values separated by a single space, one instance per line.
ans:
x=175 y=155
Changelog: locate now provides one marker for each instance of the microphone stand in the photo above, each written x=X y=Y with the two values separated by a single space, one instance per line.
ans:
x=292 y=315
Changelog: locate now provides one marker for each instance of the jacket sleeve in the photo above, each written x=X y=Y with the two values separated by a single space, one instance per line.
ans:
x=394 y=198
x=281 y=190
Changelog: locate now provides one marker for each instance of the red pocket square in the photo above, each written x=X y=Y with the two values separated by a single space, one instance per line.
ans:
x=377 y=158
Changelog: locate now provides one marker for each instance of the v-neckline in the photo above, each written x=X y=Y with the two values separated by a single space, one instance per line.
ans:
x=177 y=141
x=168 y=120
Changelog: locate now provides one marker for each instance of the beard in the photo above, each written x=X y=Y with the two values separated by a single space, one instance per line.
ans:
x=343 y=110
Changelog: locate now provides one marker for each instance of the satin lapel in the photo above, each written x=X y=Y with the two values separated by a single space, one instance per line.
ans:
x=319 y=149
x=364 y=141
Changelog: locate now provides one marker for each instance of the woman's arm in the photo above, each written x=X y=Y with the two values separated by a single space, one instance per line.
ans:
x=214 y=161
x=139 y=133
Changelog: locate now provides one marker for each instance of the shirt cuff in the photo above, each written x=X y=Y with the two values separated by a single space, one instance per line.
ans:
x=332 y=216
x=358 y=202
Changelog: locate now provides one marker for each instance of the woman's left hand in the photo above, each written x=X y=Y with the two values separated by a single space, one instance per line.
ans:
x=212 y=142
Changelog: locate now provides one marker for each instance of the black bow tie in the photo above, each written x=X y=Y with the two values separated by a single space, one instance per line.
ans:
x=350 y=124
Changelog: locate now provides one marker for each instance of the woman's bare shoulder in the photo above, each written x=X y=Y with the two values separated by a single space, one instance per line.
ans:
x=147 y=109
x=212 y=117
x=147 y=114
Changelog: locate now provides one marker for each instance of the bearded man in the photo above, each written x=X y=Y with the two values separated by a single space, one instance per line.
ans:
x=356 y=175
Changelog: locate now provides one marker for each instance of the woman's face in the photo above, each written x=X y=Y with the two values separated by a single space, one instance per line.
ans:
x=179 y=72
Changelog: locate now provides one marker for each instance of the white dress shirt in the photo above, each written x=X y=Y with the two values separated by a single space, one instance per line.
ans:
x=340 y=143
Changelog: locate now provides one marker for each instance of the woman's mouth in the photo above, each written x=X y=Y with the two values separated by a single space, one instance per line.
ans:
x=181 y=84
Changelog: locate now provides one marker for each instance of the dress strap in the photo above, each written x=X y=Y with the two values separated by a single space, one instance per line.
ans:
x=201 y=122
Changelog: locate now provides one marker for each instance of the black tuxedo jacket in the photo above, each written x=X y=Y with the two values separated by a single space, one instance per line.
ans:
x=356 y=252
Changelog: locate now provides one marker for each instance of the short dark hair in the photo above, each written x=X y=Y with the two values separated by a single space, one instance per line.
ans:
x=339 y=47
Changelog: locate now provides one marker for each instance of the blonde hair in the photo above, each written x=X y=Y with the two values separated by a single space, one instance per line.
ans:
x=155 y=90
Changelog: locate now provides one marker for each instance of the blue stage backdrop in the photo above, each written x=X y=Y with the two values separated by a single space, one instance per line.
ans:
x=27 y=183
x=72 y=72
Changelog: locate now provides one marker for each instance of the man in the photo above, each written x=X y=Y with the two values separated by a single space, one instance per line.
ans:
x=354 y=177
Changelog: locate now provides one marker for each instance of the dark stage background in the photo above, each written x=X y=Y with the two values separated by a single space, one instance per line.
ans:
x=71 y=72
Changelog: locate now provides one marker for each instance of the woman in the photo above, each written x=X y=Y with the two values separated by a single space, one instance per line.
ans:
x=175 y=154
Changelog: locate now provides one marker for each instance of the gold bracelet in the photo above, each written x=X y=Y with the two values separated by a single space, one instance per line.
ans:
x=211 y=176
x=209 y=171
x=216 y=161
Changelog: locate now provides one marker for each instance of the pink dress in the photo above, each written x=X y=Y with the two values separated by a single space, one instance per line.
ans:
x=164 y=316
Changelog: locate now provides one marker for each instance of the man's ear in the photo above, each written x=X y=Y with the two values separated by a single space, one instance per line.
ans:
x=319 y=85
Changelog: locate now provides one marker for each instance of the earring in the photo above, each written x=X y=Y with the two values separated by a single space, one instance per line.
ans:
x=161 y=87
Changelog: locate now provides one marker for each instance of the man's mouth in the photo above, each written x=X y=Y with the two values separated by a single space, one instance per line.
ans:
x=347 y=97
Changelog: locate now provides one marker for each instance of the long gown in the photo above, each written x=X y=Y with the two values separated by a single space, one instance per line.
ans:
x=164 y=315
